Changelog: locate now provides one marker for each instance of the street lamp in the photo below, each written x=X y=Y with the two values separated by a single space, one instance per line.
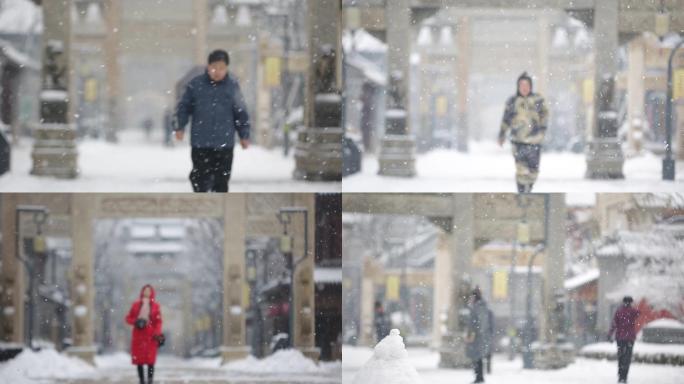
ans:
x=284 y=215
x=668 y=161
x=40 y=214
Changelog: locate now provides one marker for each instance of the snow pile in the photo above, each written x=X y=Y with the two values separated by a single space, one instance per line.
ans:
x=286 y=361
x=47 y=363
x=389 y=364
x=669 y=354
x=665 y=323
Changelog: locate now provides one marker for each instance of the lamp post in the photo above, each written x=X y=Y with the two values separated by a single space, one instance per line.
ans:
x=528 y=332
x=40 y=215
x=668 y=161
x=285 y=217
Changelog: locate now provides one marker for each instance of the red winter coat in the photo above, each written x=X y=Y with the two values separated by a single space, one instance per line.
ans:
x=624 y=323
x=143 y=344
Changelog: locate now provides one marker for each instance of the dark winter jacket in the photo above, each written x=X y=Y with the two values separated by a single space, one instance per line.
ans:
x=624 y=323
x=143 y=343
x=480 y=327
x=382 y=324
x=525 y=118
x=217 y=109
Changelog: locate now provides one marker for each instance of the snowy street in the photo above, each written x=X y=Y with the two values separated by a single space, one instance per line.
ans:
x=510 y=372
x=138 y=165
x=489 y=168
x=50 y=367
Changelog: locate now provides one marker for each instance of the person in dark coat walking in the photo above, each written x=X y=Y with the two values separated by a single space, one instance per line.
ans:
x=217 y=107
x=525 y=120
x=477 y=335
x=145 y=317
x=381 y=322
x=624 y=326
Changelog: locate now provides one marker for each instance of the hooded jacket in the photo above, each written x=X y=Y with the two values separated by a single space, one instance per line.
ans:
x=525 y=117
x=143 y=345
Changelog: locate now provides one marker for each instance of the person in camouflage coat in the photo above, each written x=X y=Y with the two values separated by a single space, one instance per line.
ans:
x=525 y=120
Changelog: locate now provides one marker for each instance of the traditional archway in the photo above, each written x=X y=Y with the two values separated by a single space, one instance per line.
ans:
x=243 y=215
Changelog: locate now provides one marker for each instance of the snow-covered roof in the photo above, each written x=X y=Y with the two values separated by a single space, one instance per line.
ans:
x=581 y=279
x=659 y=200
x=362 y=41
x=665 y=323
x=328 y=275
x=636 y=245
x=172 y=231
x=369 y=69
x=155 y=247
x=21 y=17
x=143 y=231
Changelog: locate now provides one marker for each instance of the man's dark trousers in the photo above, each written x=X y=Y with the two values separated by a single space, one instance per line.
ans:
x=211 y=169
x=624 y=358
x=479 y=375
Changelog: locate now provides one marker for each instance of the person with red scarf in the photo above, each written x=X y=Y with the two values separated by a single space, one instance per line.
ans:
x=624 y=326
x=145 y=317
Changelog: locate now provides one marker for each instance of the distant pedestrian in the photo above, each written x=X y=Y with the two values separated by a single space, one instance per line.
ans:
x=525 y=121
x=145 y=317
x=477 y=336
x=624 y=326
x=217 y=107
x=381 y=322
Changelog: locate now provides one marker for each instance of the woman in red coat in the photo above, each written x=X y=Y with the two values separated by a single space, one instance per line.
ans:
x=145 y=317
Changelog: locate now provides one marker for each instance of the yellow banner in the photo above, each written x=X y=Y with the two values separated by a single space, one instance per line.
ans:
x=441 y=106
x=588 y=91
x=90 y=91
x=273 y=71
x=678 y=84
x=392 y=288
x=500 y=285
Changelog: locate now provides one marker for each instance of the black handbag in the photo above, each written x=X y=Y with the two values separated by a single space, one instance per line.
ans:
x=160 y=338
x=140 y=323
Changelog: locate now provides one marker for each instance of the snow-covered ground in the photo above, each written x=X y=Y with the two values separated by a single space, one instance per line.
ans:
x=489 y=168
x=49 y=366
x=138 y=165
x=583 y=371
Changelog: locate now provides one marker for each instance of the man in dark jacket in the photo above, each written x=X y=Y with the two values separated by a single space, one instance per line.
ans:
x=478 y=329
x=624 y=326
x=218 y=111
x=381 y=322
x=525 y=120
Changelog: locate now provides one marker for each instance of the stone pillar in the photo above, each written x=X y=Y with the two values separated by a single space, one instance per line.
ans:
x=12 y=277
x=397 y=147
x=554 y=351
x=318 y=152
x=54 y=150
x=452 y=350
x=235 y=232
x=604 y=155
x=366 y=331
x=83 y=208
x=200 y=19
x=635 y=93
x=464 y=41
x=112 y=10
x=543 y=48
x=304 y=311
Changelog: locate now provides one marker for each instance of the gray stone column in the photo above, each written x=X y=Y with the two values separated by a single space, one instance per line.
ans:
x=304 y=315
x=54 y=150
x=554 y=352
x=452 y=350
x=397 y=147
x=112 y=11
x=12 y=283
x=235 y=232
x=604 y=155
x=464 y=39
x=81 y=276
x=318 y=153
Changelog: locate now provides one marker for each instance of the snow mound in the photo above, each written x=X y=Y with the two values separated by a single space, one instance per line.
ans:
x=665 y=323
x=282 y=361
x=47 y=363
x=389 y=364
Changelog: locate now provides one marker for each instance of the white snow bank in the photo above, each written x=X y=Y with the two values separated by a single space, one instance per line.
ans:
x=116 y=359
x=389 y=364
x=283 y=361
x=48 y=363
x=665 y=323
x=639 y=348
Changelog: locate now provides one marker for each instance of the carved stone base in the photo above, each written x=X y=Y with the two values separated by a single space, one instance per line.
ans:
x=312 y=353
x=86 y=353
x=553 y=356
x=452 y=354
x=54 y=151
x=604 y=159
x=397 y=156
x=318 y=154
x=229 y=354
